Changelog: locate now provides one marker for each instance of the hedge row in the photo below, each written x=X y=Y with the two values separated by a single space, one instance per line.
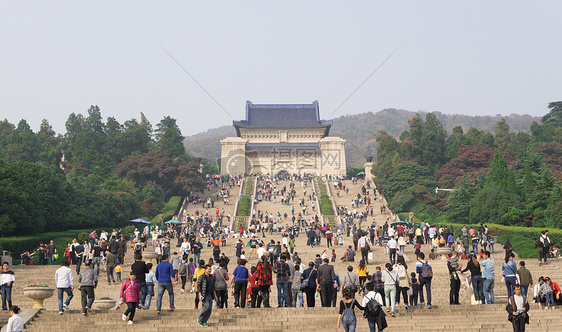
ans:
x=326 y=205
x=245 y=202
x=522 y=239
x=18 y=244
x=170 y=210
x=244 y=206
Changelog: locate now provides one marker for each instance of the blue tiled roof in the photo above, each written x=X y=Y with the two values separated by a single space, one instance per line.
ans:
x=282 y=115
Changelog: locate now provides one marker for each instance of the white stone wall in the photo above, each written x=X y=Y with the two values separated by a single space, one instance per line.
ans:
x=332 y=156
x=233 y=156
x=328 y=159
x=286 y=135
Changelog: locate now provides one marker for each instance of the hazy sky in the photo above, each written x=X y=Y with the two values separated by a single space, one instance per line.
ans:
x=470 y=57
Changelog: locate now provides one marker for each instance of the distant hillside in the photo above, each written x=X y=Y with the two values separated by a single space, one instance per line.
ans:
x=360 y=131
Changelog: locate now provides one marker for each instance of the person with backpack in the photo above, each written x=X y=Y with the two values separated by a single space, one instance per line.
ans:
x=425 y=275
x=190 y=271
x=372 y=302
x=182 y=272
x=347 y=314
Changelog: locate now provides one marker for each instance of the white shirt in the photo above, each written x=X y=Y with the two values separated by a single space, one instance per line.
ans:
x=260 y=251
x=519 y=302
x=64 y=277
x=363 y=241
x=392 y=244
x=103 y=236
x=185 y=247
x=15 y=324
x=6 y=278
x=371 y=295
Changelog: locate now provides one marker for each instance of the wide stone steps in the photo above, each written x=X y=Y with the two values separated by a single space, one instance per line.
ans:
x=283 y=319
x=442 y=317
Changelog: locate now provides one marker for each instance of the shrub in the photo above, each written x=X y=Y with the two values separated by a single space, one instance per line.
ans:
x=248 y=188
x=326 y=205
x=129 y=229
x=83 y=237
x=244 y=207
x=521 y=245
x=18 y=244
x=494 y=230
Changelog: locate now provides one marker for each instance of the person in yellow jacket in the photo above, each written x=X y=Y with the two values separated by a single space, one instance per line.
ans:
x=198 y=271
x=362 y=272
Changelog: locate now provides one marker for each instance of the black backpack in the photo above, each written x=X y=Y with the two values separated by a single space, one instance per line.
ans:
x=372 y=309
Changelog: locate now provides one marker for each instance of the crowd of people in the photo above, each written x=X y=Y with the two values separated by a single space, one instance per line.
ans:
x=259 y=262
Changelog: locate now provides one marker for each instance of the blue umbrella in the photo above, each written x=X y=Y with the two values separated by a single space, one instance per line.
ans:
x=173 y=221
x=140 y=221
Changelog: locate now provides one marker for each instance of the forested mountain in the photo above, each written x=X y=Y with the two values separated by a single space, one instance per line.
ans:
x=97 y=174
x=504 y=177
x=360 y=131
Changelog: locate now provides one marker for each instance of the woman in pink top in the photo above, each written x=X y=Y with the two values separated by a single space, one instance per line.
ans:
x=130 y=294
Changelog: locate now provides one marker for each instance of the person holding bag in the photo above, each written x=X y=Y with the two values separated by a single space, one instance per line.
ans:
x=404 y=281
x=390 y=279
x=350 y=281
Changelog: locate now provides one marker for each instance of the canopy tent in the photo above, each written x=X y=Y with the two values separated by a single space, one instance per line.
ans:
x=140 y=221
x=401 y=222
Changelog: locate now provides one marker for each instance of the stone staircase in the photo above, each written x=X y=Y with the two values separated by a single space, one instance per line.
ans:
x=441 y=317
x=277 y=207
x=190 y=209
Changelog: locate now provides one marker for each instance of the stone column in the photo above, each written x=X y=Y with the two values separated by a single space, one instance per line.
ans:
x=233 y=156
x=332 y=156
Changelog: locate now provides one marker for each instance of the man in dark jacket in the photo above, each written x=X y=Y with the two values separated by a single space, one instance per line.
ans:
x=206 y=287
x=140 y=269
x=310 y=275
x=517 y=308
x=325 y=283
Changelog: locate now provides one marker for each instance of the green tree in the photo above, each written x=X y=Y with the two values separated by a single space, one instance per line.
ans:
x=48 y=142
x=458 y=205
x=503 y=138
x=413 y=143
x=542 y=133
x=387 y=145
x=22 y=144
x=498 y=172
x=169 y=138
x=554 y=117
x=490 y=204
x=407 y=175
x=433 y=142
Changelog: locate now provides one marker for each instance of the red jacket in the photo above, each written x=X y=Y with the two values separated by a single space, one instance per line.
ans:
x=130 y=291
x=264 y=275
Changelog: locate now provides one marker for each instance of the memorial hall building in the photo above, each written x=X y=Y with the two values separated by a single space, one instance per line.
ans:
x=279 y=138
